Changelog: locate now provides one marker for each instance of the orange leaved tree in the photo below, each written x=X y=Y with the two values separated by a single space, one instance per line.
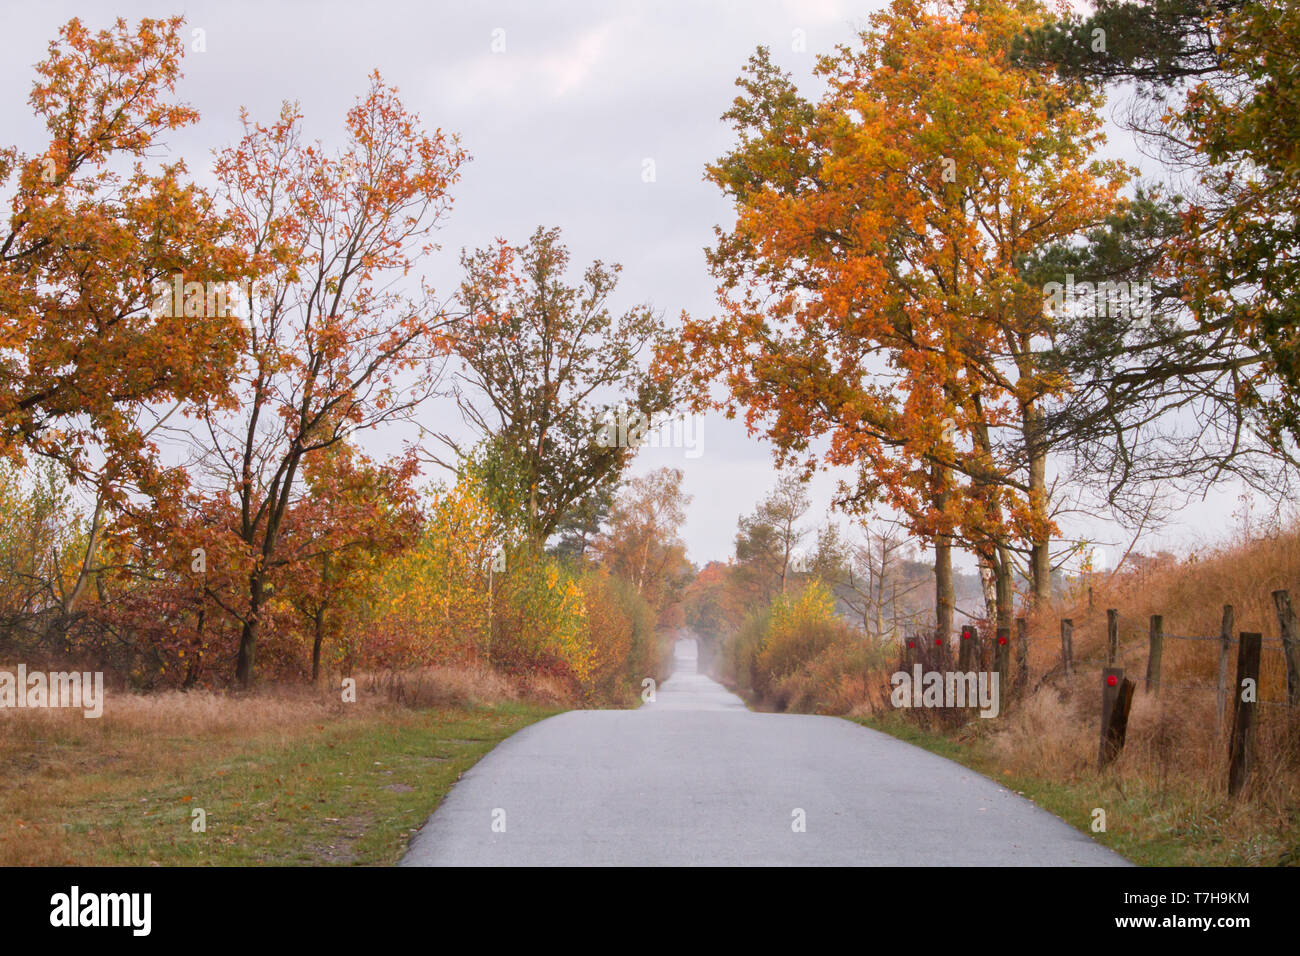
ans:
x=93 y=230
x=340 y=336
x=872 y=285
x=95 y=226
x=356 y=517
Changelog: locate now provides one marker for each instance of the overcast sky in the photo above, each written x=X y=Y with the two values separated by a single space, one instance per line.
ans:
x=561 y=124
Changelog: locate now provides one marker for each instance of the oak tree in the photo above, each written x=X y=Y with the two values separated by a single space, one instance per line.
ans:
x=340 y=337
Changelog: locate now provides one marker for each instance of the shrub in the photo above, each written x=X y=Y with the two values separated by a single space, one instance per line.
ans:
x=621 y=631
x=740 y=653
x=539 y=620
x=801 y=627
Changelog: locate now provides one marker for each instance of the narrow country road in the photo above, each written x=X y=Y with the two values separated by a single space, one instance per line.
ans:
x=695 y=778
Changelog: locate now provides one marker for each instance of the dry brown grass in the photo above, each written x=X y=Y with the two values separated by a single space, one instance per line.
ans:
x=1175 y=733
x=134 y=718
x=219 y=717
x=1189 y=593
x=466 y=685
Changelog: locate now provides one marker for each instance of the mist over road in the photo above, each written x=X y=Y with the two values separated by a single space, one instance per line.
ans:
x=695 y=778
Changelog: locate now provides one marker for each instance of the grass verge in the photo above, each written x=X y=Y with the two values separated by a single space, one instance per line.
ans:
x=280 y=782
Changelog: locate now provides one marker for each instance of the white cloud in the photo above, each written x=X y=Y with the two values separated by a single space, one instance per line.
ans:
x=523 y=72
x=568 y=70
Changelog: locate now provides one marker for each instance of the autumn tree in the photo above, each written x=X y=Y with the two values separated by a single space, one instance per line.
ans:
x=96 y=226
x=335 y=343
x=872 y=286
x=436 y=598
x=712 y=603
x=541 y=360
x=354 y=516
x=768 y=541
x=641 y=541
x=89 y=362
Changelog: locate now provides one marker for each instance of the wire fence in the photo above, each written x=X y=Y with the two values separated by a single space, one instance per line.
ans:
x=1126 y=637
x=1237 y=702
x=1178 y=685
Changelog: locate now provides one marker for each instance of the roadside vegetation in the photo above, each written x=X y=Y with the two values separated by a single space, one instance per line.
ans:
x=279 y=778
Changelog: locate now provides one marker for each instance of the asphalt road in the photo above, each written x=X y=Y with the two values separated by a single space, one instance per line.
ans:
x=695 y=778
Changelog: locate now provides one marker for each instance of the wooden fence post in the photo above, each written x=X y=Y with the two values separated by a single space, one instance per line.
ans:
x=1022 y=652
x=1154 y=653
x=1112 y=636
x=942 y=652
x=1241 y=753
x=1002 y=662
x=966 y=649
x=1225 y=647
x=1116 y=699
x=1290 y=645
x=1067 y=645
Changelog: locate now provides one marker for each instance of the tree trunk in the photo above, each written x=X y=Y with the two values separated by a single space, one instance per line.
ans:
x=944 y=594
x=316 y=643
x=1040 y=555
x=989 y=585
x=54 y=634
x=1040 y=571
x=320 y=617
x=248 y=635
x=534 y=530
x=247 y=646
x=1006 y=591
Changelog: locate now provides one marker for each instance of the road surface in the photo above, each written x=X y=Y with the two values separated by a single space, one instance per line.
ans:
x=695 y=778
